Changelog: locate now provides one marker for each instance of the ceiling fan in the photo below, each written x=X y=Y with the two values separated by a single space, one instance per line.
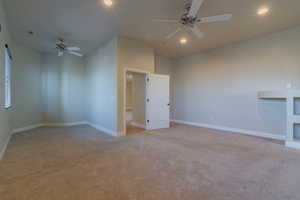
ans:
x=62 y=47
x=189 y=19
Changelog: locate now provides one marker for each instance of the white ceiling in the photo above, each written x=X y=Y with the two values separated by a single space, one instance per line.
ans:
x=87 y=23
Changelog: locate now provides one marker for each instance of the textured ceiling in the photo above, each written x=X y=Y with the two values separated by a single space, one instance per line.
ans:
x=87 y=23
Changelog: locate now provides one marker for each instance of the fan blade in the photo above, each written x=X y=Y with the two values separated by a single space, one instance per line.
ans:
x=173 y=33
x=197 y=32
x=196 y=4
x=75 y=53
x=217 y=18
x=73 y=48
x=60 y=53
x=165 y=20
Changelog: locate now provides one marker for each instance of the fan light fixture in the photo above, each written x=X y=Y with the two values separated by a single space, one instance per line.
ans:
x=190 y=20
x=263 y=11
x=183 y=40
x=108 y=3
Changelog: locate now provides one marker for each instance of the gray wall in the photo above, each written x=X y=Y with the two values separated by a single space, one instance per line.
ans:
x=101 y=87
x=73 y=77
x=220 y=87
x=5 y=125
x=26 y=87
x=135 y=54
x=63 y=88
x=51 y=66
x=165 y=66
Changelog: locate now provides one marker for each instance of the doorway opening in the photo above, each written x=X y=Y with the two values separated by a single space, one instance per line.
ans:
x=135 y=102
x=146 y=101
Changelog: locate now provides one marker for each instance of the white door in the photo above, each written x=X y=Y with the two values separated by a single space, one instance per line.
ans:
x=157 y=101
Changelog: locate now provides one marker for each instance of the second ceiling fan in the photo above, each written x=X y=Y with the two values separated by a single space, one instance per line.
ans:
x=190 y=19
x=62 y=48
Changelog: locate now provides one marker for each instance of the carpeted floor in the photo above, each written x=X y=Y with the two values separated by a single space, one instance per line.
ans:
x=180 y=163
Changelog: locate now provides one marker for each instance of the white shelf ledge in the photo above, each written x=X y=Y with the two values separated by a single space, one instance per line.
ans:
x=279 y=94
x=288 y=95
x=293 y=144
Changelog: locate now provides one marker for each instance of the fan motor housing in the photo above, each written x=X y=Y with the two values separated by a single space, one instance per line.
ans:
x=185 y=19
x=188 y=21
x=61 y=46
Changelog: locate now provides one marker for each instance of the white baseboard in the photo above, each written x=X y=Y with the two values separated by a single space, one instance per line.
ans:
x=103 y=129
x=98 y=127
x=27 y=128
x=234 y=130
x=3 y=146
x=137 y=124
x=292 y=144
x=65 y=124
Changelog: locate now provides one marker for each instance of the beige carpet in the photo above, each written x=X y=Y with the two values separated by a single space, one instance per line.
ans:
x=180 y=163
x=133 y=130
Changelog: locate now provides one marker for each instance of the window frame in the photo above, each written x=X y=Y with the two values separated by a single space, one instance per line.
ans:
x=7 y=78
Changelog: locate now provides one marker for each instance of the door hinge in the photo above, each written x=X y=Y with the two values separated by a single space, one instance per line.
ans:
x=147 y=79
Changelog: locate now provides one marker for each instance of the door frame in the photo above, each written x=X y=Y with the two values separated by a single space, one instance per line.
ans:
x=125 y=90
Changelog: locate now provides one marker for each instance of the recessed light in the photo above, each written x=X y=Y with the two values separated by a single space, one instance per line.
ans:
x=183 y=40
x=108 y=3
x=263 y=11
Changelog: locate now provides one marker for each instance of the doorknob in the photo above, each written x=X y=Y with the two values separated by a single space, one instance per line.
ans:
x=168 y=104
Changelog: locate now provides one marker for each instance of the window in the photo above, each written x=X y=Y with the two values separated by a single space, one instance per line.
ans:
x=7 y=78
